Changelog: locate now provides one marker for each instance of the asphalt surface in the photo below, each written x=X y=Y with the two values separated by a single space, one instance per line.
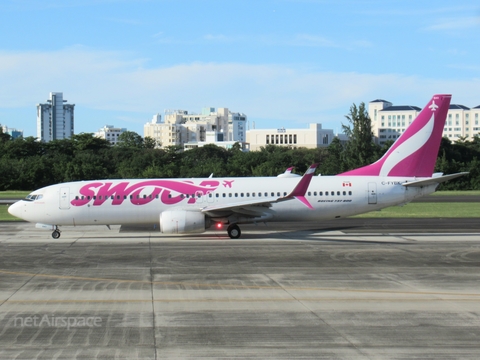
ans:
x=351 y=289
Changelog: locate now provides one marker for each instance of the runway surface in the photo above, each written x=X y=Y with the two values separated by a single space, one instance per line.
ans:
x=349 y=289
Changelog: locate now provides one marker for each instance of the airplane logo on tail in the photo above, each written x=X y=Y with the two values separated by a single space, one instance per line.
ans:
x=434 y=106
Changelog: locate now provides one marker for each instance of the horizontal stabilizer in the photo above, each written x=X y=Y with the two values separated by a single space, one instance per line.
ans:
x=434 y=180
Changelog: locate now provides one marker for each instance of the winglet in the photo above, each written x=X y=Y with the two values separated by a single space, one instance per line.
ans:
x=302 y=186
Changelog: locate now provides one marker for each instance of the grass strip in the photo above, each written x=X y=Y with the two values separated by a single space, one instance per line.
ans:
x=12 y=194
x=427 y=210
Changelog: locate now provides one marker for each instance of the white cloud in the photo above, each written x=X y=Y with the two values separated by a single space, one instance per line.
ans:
x=454 y=24
x=115 y=82
x=312 y=40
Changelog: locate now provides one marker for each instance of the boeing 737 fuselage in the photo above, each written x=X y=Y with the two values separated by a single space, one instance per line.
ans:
x=180 y=206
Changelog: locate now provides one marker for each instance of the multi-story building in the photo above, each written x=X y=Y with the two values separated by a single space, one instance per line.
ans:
x=55 y=119
x=14 y=133
x=181 y=128
x=311 y=138
x=389 y=121
x=110 y=133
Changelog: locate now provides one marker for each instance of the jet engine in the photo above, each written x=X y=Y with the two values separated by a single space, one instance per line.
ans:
x=183 y=222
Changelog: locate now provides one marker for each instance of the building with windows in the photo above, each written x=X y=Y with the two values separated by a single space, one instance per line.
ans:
x=55 y=119
x=14 y=133
x=389 y=121
x=189 y=129
x=110 y=133
x=311 y=138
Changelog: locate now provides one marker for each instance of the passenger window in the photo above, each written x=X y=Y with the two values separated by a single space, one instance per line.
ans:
x=338 y=193
x=309 y=193
x=344 y=193
x=320 y=193
x=349 y=193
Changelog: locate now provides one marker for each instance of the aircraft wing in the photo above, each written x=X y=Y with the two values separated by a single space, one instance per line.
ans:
x=258 y=206
x=433 y=180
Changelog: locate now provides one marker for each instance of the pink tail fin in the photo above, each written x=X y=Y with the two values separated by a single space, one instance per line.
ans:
x=415 y=151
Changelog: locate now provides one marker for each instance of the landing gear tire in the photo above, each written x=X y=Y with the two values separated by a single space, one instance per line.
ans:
x=234 y=231
x=56 y=234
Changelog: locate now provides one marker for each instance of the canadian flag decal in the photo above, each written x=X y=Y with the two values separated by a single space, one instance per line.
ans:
x=347 y=183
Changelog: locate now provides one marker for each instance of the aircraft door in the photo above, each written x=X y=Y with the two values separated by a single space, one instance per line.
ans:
x=372 y=193
x=64 y=198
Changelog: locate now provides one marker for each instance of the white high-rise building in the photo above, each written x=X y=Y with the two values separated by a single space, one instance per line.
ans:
x=182 y=128
x=390 y=121
x=313 y=137
x=55 y=119
x=110 y=133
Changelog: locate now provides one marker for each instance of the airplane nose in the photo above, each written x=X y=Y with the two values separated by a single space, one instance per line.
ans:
x=16 y=209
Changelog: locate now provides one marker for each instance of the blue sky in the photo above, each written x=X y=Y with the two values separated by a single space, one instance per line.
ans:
x=282 y=62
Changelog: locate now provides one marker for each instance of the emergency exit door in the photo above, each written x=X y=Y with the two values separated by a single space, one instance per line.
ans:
x=64 y=198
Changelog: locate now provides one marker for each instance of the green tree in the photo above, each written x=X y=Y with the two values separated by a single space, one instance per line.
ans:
x=88 y=141
x=360 y=150
x=149 y=143
x=333 y=163
x=130 y=139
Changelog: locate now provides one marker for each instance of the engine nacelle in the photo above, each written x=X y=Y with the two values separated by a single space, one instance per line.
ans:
x=183 y=222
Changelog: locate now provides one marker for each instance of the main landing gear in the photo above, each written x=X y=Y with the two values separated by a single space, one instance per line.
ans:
x=234 y=231
x=56 y=233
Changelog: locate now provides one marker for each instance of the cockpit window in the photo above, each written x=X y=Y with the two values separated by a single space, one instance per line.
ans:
x=32 y=197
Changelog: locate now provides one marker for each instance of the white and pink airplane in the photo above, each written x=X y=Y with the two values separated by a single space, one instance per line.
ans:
x=180 y=206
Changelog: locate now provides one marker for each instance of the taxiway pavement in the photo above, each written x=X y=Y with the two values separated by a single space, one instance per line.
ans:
x=364 y=289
